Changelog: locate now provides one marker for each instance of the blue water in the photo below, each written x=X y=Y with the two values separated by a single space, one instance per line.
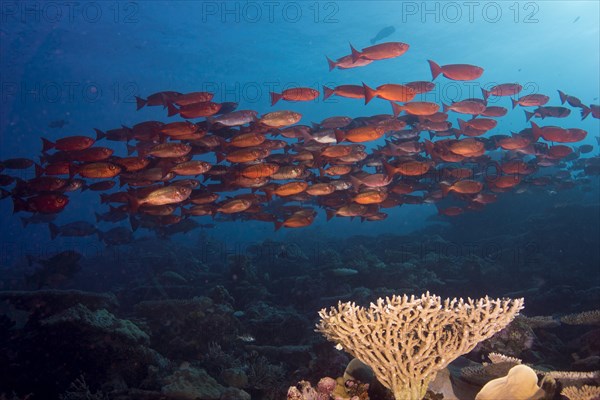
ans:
x=85 y=65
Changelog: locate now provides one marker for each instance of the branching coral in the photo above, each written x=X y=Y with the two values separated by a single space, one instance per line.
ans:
x=408 y=340
x=585 y=392
x=584 y=318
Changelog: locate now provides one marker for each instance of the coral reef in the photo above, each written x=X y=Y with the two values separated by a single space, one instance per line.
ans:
x=158 y=315
x=408 y=340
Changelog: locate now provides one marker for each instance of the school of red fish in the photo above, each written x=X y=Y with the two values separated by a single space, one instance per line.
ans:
x=326 y=164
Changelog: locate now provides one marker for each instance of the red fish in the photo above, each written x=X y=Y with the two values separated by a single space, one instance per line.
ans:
x=594 y=109
x=298 y=219
x=99 y=170
x=380 y=51
x=559 y=151
x=48 y=203
x=280 y=119
x=421 y=86
x=195 y=110
x=451 y=211
x=531 y=100
x=544 y=112
x=421 y=108
x=466 y=186
x=295 y=94
x=361 y=134
x=390 y=91
x=466 y=107
x=70 y=143
x=494 y=111
x=192 y=98
x=17 y=163
x=349 y=91
x=408 y=168
x=157 y=99
x=58 y=168
x=99 y=186
x=504 y=89
x=347 y=62
x=557 y=134
x=92 y=154
x=456 y=72
x=571 y=100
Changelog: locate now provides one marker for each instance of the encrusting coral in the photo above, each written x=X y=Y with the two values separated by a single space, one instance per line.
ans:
x=408 y=340
x=519 y=384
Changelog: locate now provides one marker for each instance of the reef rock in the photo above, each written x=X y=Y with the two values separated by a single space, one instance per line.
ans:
x=189 y=383
x=100 y=321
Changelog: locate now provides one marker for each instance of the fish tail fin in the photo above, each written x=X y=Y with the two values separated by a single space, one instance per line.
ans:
x=19 y=205
x=4 y=194
x=445 y=187
x=134 y=203
x=321 y=171
x=171 y=110
x=307 y=137
x=340 y=136
x=355 y=53
x=429 y=146
x=355 y=182
x=585 y=111
x=390 y=170
x=140 y=103
x=54 y=231
x=563 y=97
x=103 y=198
x=278 y=225
x=268 y=194
x=39 y=170
x=47 y=145
x=327 y=92
x=210 y=121
x=436 y=70
x=431 y=135
x=461 y=124
x=135 y=224
x=99 y=134
x=220 y=157
x=396 y=108
x=528 y=115
x=445 y=107
x=130 y=149
x=73 y=170
x=332 y=64
x=536 y=130
x=514 y=103
x=275 y=97
x=330 y=214
x=485 y=93
x=369 y=93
